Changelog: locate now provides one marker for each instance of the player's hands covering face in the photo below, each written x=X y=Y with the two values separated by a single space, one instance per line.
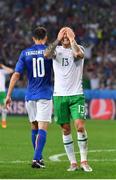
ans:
x=61 y=34
x=70 y=34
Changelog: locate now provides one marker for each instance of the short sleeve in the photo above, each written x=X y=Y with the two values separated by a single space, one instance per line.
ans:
x=20 y=63
x=83 y=49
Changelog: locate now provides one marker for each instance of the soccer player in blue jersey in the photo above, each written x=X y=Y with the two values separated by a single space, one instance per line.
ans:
x=39 y=91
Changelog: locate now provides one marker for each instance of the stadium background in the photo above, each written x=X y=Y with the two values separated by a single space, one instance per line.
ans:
x=94 y=23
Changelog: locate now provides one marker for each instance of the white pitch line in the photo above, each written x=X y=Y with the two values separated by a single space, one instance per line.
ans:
x=103 y=160
x=15 y=162
x=56 y=157
x=29 y=162
x=92 y=160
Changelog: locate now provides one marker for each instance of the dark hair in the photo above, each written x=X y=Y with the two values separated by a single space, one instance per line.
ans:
x=39 y=32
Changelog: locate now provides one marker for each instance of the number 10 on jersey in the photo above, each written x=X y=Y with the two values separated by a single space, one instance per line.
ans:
x=38 y=67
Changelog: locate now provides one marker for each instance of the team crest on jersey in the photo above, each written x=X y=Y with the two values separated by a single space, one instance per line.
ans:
x=59 y=54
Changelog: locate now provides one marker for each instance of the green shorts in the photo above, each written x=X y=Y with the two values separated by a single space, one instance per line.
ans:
x=68 y=108
x=2 y=97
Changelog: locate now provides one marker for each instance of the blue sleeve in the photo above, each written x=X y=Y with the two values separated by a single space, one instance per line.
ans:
x=20 y=65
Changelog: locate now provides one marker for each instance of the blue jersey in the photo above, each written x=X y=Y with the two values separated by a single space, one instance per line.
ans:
x=38 y=72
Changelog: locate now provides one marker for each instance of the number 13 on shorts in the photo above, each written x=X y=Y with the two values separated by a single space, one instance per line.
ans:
x=81 y=110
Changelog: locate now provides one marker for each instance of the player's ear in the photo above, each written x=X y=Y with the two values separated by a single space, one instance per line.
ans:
x=46 y=38
x=33 y=39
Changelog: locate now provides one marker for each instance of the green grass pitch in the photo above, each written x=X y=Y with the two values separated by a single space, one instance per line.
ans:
x=16 y=152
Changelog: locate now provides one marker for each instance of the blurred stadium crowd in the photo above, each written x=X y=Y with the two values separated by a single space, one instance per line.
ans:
x=94 y=23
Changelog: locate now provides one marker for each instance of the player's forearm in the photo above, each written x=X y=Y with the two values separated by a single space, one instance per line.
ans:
x=77 y=51
x=15 y=77
x=49 y=52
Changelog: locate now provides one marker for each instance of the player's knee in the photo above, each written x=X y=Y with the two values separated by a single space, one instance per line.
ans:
x=81 y=129
x=4 y=110
x=80 y=125
x=66 y=129
x=34 y=125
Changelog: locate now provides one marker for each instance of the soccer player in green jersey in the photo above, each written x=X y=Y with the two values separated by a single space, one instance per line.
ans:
x=69 y=100
x=4 y=70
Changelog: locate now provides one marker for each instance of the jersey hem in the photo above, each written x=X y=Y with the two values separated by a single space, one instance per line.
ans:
x=68 y=94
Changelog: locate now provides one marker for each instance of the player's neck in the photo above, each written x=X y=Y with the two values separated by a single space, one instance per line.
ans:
x=66 y=46
x=37 y=42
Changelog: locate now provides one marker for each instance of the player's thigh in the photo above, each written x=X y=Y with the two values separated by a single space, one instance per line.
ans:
x=77 y=107
x=61 y=110
x=43 y=125
x=31 y=110
x=44 y=110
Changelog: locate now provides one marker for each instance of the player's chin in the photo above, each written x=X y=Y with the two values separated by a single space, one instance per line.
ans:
x=66 y=43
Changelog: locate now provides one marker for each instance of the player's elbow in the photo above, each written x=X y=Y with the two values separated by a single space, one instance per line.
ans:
x=79 y=55
x=15 y=76
x=48 y=55
x=45 y=54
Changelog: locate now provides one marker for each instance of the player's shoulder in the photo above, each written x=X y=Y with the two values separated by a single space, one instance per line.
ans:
x=30 y=48
x=36 y=47
x=23 y=51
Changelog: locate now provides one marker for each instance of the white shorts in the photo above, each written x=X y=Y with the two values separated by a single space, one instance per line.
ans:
x=40 y=110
